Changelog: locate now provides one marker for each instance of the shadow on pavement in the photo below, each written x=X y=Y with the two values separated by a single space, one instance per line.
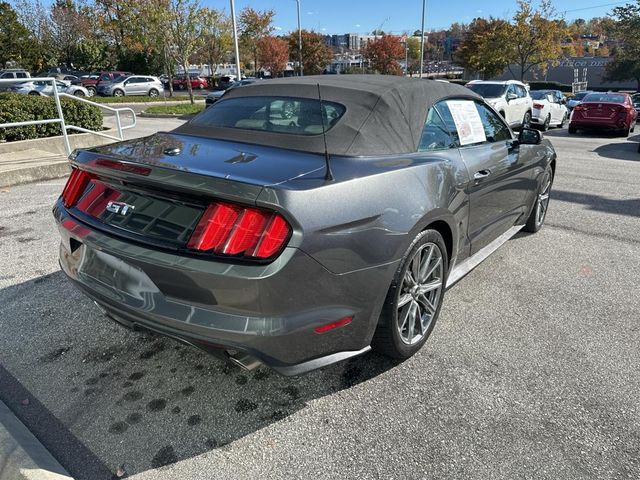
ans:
x=630 y=207
x=101 y=396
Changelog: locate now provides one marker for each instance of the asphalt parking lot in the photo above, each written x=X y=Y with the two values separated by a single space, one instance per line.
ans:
x=531 y=373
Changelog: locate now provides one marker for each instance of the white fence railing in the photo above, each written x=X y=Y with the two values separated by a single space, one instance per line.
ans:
x=60 y=118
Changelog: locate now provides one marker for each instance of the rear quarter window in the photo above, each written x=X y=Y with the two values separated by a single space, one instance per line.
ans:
x=290 y=115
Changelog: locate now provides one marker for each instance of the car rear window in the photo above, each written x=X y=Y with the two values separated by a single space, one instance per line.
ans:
x=290 y=115
x=539 y=95
x=488 y=90
x=603 y=98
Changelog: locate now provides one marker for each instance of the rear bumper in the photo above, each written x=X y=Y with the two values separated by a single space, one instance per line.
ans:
x=605 y=124
x=266 y=311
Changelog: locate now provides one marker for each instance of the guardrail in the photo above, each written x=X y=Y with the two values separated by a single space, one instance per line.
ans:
x=60 y=119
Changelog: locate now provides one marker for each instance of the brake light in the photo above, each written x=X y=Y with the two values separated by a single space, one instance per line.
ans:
x=538 y=106
x=234 y=230
x=76 y=184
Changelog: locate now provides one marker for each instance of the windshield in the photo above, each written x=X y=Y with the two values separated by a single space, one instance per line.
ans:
x=603 y=98
x=580 y=95
x=488 y=90
x=538 y=95
x=294 y=116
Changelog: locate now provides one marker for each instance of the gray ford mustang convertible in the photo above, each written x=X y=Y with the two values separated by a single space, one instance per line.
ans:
x=302 y=221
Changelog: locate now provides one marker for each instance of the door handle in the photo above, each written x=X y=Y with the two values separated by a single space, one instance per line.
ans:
x=481 y=174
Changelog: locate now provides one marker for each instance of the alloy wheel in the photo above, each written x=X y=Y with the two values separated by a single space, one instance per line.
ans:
x=543 y=199
x=420 y=293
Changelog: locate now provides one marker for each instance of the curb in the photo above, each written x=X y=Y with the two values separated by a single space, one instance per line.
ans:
x=34 y=174
x=22 y=456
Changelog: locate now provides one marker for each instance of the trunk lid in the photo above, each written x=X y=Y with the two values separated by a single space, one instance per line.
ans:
x=155 y=189
x=239 y=162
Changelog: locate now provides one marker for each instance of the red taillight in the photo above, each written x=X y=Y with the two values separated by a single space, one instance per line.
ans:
x=538 y=106
x=330 y=326
x=124 y=167
x=233 y=230
x=76 y=184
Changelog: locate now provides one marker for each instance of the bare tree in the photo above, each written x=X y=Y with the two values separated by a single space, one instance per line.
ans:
x=185 y=33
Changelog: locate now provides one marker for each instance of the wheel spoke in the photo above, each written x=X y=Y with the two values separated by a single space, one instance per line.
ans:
x=405 y=317
x=408 y=278
x=404 y=299
x=428 y=287
x=426 y=303
x=425 y=265
x=433 y=268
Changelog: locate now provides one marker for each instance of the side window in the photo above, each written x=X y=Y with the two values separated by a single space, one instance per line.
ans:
x=21 y=75
x=522 y=92
x=512 y=89
x=494 y=127
x=435 y=134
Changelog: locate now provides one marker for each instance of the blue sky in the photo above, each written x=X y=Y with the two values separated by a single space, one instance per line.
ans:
x=362 y=16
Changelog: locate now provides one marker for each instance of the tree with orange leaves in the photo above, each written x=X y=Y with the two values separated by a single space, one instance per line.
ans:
x=383 y=54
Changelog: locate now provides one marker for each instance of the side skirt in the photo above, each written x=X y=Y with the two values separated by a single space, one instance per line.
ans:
x=480 y=256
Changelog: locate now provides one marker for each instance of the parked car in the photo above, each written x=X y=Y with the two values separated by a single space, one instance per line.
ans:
x=286 y=240
x=549 y=109
x=10 y=73
x=635 y=99
x=92 y=82
x=576 y=99
x=604 y=111
x=197 y=82
x=214 y=96
x=226 y=81
x=133 y=85
x=509 y=98
x=46 y=89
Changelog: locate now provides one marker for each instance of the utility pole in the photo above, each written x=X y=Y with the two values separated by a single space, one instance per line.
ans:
x=424 y=7
x=235 y=38
x=299 y=39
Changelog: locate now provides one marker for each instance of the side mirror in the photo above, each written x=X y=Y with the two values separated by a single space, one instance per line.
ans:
x=529 y=136
x=511 y=96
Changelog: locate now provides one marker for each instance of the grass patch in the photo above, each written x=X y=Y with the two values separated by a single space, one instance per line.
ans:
x=139 y=99
x=186 y=109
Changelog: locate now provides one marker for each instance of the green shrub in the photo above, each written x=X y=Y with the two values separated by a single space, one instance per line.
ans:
x=21 y=108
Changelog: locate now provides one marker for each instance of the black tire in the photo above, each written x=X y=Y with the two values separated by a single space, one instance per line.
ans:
x=545 y=125
x=153 y=92
x=625 y=132
x=34 y=93
x=387 y=338
x=526 y=120
x=572 y=130
x=118 y=93
x=564 y=119
x=92 y=91
x=79 y=93
x=534 y=222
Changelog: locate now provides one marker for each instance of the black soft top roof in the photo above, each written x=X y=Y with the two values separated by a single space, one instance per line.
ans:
x=384 y=114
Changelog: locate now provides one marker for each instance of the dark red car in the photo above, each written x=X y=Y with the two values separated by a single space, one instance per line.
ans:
x=197 y=82
x=604 y=111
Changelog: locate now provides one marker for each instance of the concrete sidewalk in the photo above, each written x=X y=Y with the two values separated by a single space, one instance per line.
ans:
x=44 y=159
x=22 y=456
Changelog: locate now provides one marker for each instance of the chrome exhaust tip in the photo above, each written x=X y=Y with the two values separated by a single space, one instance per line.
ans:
x=244 y=361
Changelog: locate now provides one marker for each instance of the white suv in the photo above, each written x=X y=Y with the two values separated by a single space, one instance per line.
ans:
x=509 y=98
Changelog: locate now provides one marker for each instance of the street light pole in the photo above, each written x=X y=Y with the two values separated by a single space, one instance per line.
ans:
x=299 y=39
x=424 y=6
x=235 y=39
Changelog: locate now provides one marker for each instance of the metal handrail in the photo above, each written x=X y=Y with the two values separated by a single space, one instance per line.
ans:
x=60 y=119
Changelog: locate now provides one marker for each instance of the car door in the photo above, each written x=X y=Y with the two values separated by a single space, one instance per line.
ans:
x=499 y=181
x=132 y=86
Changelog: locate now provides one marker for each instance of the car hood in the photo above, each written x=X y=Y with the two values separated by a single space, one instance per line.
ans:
x=253 y=164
